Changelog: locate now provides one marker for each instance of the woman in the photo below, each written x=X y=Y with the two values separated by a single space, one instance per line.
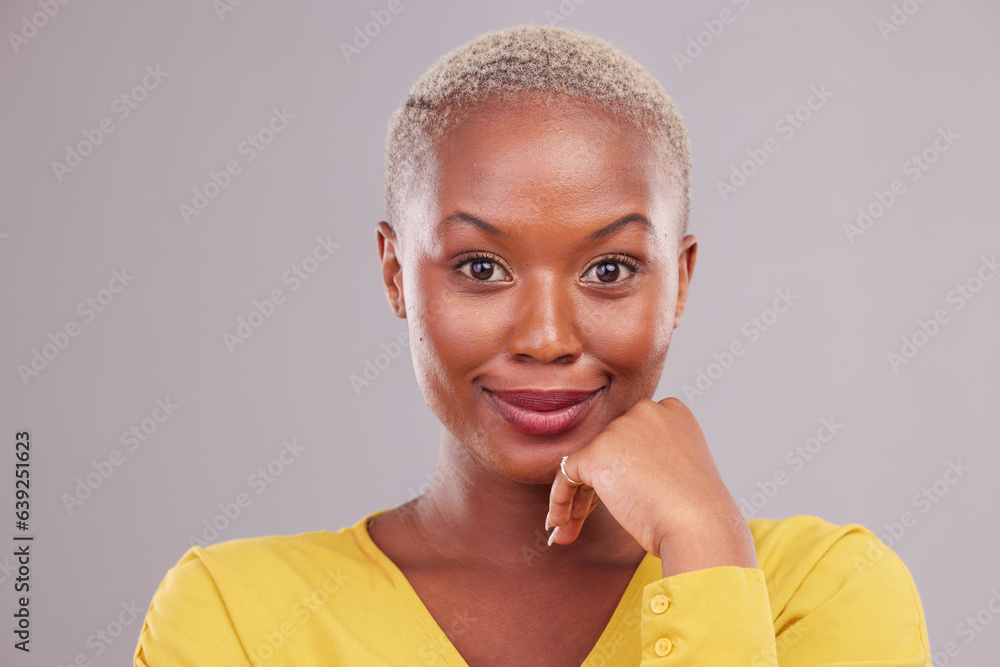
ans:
x=537 y=198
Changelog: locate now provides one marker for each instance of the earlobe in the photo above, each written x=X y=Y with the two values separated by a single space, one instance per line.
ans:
x=685 y=268
x=392 y=270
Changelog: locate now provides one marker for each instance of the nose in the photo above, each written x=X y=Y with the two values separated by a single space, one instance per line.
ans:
x=545 y=324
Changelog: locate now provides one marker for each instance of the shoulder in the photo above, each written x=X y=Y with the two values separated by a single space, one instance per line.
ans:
x=284 y=551
x=216 y=596
x=794 y=546
x=805 y=536
x=239 y=574
x=306 y=558
x=811 y=564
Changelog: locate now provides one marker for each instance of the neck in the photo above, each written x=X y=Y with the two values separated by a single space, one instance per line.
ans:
x=474 y=514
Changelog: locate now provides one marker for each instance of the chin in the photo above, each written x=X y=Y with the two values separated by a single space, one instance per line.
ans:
x=482 y=430
x=525 y=458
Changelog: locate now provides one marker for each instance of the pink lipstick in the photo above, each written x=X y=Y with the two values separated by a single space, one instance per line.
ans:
x=549 y=412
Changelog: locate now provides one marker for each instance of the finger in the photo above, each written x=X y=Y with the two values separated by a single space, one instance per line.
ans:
x=562 y=493
x=583 y=503
x=594 y=502
x=560 y=502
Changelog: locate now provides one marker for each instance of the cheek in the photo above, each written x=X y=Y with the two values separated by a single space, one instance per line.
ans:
x=631 y=336
x=457 y=336
x=631 y=328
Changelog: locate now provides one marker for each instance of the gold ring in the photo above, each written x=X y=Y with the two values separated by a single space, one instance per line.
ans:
x=562 y=466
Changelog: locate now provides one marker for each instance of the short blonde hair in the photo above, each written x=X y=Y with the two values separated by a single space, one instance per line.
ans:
x=523 y=59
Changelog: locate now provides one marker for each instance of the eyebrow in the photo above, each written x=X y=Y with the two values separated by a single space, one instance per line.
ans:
x=622 y=222
x=456 y=218
x=607 y=230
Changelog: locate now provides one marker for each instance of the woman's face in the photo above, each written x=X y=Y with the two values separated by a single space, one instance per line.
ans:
x=541 y=276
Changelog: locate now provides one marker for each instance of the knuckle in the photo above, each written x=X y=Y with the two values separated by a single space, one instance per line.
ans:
x=645 y=405
x=676 y=404
x=609 y=470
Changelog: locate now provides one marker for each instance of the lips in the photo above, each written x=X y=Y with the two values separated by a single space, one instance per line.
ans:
x=542 y=412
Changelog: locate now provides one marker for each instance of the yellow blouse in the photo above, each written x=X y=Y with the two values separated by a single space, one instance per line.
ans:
x=823 y=595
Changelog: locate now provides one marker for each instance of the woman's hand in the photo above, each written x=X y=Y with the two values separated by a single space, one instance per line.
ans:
x=654 y=472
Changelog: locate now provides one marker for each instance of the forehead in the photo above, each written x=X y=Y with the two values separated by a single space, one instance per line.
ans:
x=564 y=158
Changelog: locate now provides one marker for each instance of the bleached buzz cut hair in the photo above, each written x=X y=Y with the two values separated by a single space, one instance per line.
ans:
x=526 y=59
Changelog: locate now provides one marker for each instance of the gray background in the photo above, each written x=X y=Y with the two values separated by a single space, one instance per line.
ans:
x=162 y=336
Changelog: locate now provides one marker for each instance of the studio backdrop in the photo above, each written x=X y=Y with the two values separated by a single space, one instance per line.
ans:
x=197 y=347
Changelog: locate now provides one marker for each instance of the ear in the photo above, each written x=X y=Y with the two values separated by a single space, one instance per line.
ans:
x=685 y=268
x=392 y=271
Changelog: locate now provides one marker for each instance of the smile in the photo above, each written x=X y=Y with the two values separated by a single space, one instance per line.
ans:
x=542 y=412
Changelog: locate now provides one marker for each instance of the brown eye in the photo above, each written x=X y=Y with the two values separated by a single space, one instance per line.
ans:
x=607 y=272
x=481 y=270
x=611 y=270
x=484 y=270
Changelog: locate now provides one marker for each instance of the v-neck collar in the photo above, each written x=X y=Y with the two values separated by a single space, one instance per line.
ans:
x=430 y=625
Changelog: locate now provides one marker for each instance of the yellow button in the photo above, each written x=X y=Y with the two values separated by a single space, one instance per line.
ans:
x=659 y=603
x=663 y=646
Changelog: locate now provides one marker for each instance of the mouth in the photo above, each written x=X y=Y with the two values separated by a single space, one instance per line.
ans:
x=549 y=412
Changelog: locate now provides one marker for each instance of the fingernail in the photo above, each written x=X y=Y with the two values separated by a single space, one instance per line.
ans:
x=547 y=526
x=553 y=535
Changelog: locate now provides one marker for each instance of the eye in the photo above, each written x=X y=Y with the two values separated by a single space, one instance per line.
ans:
x=483 y=267
x=611 y=269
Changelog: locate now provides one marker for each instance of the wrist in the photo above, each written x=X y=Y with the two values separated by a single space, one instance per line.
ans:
x=707 y=546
